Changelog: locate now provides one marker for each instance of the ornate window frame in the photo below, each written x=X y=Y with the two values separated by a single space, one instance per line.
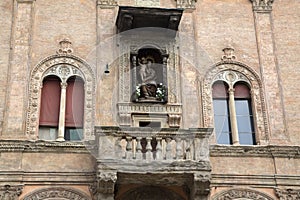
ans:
x=243 y=73
x=241 y=193
x=62 y=66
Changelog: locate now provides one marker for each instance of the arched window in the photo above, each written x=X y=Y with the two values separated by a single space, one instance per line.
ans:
x=244 y=116
x=74 y=109
x=62 y=109
x=49 y=110
x=221 y=112
x=233 y=113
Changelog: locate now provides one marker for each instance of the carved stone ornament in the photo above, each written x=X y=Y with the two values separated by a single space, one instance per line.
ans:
x=8 y=192
x=62 y=66
x=233 y=71
x=107 y=3
x=56 y=193
x=65 y=47
x=240 y=193
x=186 y=4
x=104 y=186
x=288 y=194
x=228 y=54
x=262 y=5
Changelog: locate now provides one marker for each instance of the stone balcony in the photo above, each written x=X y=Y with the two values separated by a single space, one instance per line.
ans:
x=147 y=156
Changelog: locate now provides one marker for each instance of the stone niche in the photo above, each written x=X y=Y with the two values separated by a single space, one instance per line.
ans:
x=148 y=65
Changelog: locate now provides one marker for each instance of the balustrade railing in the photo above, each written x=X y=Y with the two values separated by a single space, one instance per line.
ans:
x=146 y=144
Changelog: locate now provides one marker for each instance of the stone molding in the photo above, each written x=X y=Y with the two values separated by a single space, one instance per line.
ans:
x=255 y=151
x=10 y=192
x=104 y=186
x=288 y=194
x=42 y=146
x=241 y=193
x=262 y=5
x=56 y=192
x=63 y=66
x=244 y=73
x=186 y=4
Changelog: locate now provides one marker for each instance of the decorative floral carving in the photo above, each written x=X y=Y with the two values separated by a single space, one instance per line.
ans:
x=288 y=194
x=239 y=193
x=104 y=184
x=262 y=5
x=240 y=72
x=65 y=47
x=55 y=193
x=8 y=192
x=186 y=3
x=62 y=66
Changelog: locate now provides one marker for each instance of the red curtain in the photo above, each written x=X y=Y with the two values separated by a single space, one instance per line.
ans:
x=241 y=91
x=74 y=102
x=50 y=102
x=220 y=90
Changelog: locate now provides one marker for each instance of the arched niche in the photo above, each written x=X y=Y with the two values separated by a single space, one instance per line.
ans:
x=241 y=194
x=62 y=66
x=56 y=193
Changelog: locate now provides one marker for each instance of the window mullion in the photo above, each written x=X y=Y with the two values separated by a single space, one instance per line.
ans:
x=233 y=120
x=62 y=112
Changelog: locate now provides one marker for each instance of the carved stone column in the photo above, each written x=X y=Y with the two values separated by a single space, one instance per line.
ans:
x=8 y=192
x=268 y=67
x=16 y=96
x=62 y=113
x=233 y=121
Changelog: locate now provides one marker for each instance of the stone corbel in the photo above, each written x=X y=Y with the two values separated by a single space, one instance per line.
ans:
x=8 y=192
x=201 y=185
x=174 y=120
x=288 y=194
x=104 y=187
x=107 y=3
x=262 y=5
x=186 y=4
x=125 y=119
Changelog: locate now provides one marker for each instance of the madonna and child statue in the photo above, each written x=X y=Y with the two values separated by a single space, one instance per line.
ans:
x=148 y=89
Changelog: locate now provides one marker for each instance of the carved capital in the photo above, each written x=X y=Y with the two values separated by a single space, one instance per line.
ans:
x=8 y=192
x=187 y=4
x=262 y=5
x=288 y=194
x=105 y=183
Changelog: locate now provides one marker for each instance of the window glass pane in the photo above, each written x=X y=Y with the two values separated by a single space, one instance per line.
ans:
x=73 y=134
x=47 y=133
x=242 y=107
x=221 y=118
x=221 y=124
x=223 y=138
x=246 y=138
x=244 y=124
x=220 y=107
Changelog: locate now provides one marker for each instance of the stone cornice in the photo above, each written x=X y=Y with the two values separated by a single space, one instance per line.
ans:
x=255 y=151
x=42 y=146
x=262 y=5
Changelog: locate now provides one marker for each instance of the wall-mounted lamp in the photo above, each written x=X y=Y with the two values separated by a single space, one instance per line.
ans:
x=106 y=69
